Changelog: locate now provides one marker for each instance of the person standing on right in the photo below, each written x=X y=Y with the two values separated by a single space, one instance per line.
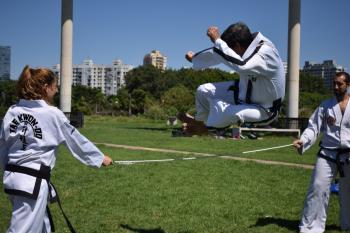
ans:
x=332 y=120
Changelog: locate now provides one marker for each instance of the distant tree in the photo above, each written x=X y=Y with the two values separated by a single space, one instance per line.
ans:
x=138 y=101
x=155 y=112
x=113 y=104
x=312 y=93
x=310 y=83
x=179 y=97
x=309 y=102
x=100 y=102
x=7 y=95
x=81 y=105
x=123 y=100
x=146 y=78
x=8 y=92
x=93 y=100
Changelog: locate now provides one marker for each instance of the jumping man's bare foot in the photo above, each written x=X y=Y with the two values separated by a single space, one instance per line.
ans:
x=186 y=118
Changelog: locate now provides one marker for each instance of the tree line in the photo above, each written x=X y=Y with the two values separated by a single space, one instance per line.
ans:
x=159 y=94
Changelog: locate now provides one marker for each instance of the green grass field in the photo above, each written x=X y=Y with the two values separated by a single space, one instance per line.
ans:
x=194 y=196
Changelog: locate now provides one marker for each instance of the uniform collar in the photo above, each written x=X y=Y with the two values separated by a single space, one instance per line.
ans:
x=32 y=103
x=259 y=37
x=337 y=110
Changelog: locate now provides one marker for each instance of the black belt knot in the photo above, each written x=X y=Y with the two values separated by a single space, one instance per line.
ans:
x=337 y=160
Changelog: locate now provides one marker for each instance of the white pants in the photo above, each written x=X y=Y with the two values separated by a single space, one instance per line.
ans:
x=316 y=202
x=215 y=106
x=30 y=215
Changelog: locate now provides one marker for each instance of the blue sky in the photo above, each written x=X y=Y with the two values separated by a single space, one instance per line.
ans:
x=108 y=29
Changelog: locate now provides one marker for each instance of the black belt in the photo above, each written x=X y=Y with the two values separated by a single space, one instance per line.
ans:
x=337 y=160
x=43 y=173
x=235 y=89
x=274 y=110
x=276 y=105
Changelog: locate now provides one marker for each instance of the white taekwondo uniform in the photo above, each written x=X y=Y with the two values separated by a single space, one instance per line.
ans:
x=29 y=138
x=260 y=90
x=329 y=121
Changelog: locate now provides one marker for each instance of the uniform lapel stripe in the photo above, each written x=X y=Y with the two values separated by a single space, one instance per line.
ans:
x=202 y=51
x=235 y=60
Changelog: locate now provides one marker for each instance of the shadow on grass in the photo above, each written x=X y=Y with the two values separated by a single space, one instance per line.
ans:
x=140 y=230
x=146 y=128
x=153 y=128
x=292 y=225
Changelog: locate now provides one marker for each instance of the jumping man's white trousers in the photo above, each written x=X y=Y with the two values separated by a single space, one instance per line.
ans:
x=215 y=106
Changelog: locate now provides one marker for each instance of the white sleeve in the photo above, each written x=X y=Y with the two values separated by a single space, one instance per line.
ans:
x=310 y=134
x=3 y=148
x=205 y=59
x=81 y=148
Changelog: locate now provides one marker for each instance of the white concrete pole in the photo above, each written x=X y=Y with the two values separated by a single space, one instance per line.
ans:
x=293 y=58
x=66 y=56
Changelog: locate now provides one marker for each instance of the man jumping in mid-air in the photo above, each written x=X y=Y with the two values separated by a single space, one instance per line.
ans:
x=256 y=98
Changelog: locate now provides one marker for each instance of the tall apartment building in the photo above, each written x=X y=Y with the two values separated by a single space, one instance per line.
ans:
x=156 y=59
x=325 y=70
x=115 y=76
x=107 y=77
x=5 y=62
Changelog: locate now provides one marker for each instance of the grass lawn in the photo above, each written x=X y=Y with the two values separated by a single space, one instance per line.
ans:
x=194 y=196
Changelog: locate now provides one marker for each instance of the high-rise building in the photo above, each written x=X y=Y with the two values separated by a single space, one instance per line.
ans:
x=5 y=62
x=326 y=71
x=156 y=59
x=109 y=78
x=115 y=76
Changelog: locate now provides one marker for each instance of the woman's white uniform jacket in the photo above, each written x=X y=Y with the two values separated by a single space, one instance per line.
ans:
x=335 y=127
x=260 y=65
x=30 y=134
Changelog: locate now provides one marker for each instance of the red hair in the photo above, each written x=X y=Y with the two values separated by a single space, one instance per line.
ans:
x=30 y=85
